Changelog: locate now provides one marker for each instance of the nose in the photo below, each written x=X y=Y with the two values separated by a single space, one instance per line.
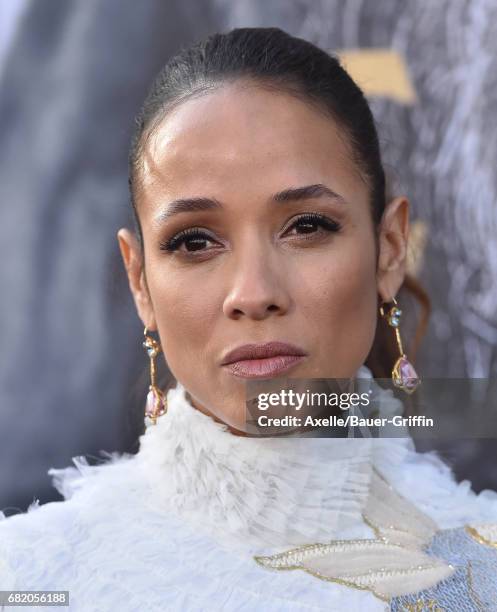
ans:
x=258 y=288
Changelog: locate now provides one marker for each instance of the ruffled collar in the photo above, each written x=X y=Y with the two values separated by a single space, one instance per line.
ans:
x=263 y=493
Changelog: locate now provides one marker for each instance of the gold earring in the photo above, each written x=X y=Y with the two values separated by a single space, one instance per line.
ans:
x=156 y=404
x=404 y=375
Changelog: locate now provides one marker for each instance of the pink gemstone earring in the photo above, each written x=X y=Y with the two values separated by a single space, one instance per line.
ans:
x=156 y=404
x=404 y=375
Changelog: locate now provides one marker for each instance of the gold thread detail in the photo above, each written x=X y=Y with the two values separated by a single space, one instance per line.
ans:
x=324 y=546
x=274 y=561
x=372 y=589
x=478 y=537
x=474 y=595
x=419 y=606
x=374 y=528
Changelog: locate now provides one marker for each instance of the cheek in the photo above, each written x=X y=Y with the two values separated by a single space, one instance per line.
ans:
x=340 y=305
x=184 y=318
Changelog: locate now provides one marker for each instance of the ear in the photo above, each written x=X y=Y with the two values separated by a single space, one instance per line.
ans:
x=392 y=257
x=133 y=263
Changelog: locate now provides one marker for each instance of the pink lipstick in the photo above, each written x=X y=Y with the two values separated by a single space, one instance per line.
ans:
x=262 y=360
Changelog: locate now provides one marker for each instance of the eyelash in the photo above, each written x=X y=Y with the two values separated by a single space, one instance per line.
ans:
x=175 y=242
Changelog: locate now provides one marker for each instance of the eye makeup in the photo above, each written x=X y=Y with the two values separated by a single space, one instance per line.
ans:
x=198 y=236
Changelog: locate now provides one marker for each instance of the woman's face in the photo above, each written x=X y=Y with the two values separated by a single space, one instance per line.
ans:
x=258 y=268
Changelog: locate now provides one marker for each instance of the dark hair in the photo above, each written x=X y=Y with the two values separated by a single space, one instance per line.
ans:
x=274 y=59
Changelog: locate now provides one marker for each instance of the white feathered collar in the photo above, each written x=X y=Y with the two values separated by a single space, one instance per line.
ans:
x=262 y=492
x=316 y=504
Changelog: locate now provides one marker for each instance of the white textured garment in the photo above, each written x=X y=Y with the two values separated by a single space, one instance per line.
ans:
x=177 y=526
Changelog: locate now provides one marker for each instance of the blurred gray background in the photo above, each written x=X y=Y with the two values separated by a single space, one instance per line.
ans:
x=73 y=73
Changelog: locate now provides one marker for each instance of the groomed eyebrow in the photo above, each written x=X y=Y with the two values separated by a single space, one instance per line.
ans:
x=295 y=194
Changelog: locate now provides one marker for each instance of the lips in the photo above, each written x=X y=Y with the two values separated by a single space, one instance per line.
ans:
x=261 y=351
x=262 y=360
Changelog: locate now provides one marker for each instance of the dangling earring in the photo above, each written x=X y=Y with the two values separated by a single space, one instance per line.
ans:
x=404 y=375
x=156 y=404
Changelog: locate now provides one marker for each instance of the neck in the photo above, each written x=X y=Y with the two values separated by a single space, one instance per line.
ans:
x=344 y=387
x=203 y=410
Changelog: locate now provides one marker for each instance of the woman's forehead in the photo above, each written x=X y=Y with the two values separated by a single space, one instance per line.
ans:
x=236 y=135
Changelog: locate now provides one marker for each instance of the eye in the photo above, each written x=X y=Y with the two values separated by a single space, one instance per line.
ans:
x=310 y=221
x=194 y=238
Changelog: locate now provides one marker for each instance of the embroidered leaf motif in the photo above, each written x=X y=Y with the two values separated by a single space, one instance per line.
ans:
x=385 y=569
x=392 y=564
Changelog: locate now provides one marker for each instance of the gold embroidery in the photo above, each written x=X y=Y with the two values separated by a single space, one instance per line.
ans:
x=376 y=573
x=382 y=579
x=389 y=561
x=420 y=606
x=276 y=562
x=478 y=537
x=473 y=593
x=300 y=553
x=386 y=503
